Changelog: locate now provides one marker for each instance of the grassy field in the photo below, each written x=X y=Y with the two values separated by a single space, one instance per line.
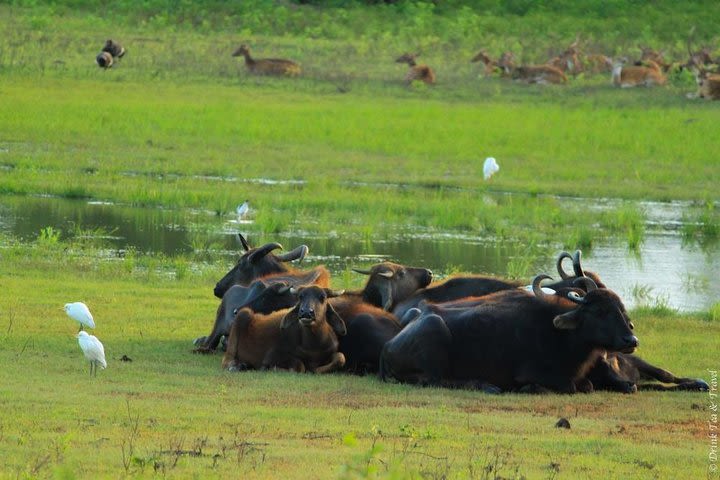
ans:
x=175 y=414
x=179 y=124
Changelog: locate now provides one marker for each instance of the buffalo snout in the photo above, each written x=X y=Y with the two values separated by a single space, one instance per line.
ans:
x=630 y=342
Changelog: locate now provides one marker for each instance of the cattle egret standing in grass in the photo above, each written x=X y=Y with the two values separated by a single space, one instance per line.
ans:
x=490 y=167
x=93 y=351
x=242 y=210
x=79 y=312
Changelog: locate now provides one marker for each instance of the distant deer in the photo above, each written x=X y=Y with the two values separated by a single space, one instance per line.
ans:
x=708 y=83
x=569 y=60
x=541 y=74
x=637 y=75
x=597 y=63
x=656 y=56
x=506 y=63
x=268 y=66
x=422 y=73
x=490 y=64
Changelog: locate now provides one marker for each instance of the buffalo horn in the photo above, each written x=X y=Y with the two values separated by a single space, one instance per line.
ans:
x=245 y=245
x=576 y=264
x=262 y=251
x=295 y=254
x=537 y=289
x=362 y=272
x=563 y=274
x=586 y=283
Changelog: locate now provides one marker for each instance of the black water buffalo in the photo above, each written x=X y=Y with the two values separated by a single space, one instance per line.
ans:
x=366 y=313
x=260 y=263
x=390 y=283
x=521 y=340
x=259 y=297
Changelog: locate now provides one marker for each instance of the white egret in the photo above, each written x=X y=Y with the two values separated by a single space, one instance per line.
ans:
x=79 y=312
x=93 y=351
x=490 y=167
x=242 y=210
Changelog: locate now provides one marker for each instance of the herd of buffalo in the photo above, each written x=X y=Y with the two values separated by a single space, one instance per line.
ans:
x=570 y=335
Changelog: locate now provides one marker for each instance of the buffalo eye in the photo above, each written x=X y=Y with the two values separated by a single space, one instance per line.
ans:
x=632 y=327
x=235 y=310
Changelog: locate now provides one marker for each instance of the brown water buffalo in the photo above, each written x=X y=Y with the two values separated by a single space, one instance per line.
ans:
x=303 y=338
x=259 y=297
x=260 y=263
x=519 y=340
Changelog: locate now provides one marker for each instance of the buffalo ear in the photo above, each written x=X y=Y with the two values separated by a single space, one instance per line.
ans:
x=567 y=321
x=335 y=321
x=289 y=318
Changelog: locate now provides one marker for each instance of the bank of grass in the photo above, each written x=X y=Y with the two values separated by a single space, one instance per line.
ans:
x=172 y=413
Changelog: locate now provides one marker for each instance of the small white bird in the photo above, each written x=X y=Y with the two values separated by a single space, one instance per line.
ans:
x=242 y=210
x=490 y=167
x=79 y=312
x=93 y=351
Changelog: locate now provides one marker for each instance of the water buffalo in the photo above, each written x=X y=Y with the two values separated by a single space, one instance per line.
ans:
x=260 y=263
x=366 y=313
x=520 y=340
x=259 y=297
x=303 y=338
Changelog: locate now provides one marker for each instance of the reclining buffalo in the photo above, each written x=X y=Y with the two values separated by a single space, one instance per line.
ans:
x=515 y=340
x=261 y=264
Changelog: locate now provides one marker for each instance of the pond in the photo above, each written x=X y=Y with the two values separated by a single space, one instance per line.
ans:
x=666 y=270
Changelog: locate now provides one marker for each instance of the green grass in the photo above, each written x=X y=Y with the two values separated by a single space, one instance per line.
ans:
x=178 y=414
x=179 y=124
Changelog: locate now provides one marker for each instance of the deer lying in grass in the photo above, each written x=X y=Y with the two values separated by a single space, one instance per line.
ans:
x=597 y=63
x=655 y=56
x=708 y=83
x=268 y=66
x=489 y=64
x=506 y=63
x=637 y=75
x=541 y=74
x=569 y=60
x=421 y=73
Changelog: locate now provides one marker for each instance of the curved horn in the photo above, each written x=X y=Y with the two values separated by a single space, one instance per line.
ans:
x=563 y=274
x=333 y=293
x=297 y=253
x=264 y=250
x=576 y=264
x=362 y=272
x=586 y=283
x=245 y=245
x=537 y=289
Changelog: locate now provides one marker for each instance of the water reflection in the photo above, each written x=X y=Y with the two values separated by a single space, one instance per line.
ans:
x=666 y=269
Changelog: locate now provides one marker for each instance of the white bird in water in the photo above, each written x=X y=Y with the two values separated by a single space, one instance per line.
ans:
x=79 y=312
x=490 y=167
x=93 y=351
x=242 y=210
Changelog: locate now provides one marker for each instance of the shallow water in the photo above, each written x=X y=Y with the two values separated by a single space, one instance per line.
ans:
x=665 y=270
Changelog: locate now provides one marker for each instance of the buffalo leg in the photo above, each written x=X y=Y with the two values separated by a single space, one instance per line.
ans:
x=336 y=363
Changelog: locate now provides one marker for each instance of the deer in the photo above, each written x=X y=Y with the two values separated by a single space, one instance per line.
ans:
x=268 y=66
x=421 y=73
x=569 y=60
x=541 y=74
x=490 y=64
x=637 y=75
